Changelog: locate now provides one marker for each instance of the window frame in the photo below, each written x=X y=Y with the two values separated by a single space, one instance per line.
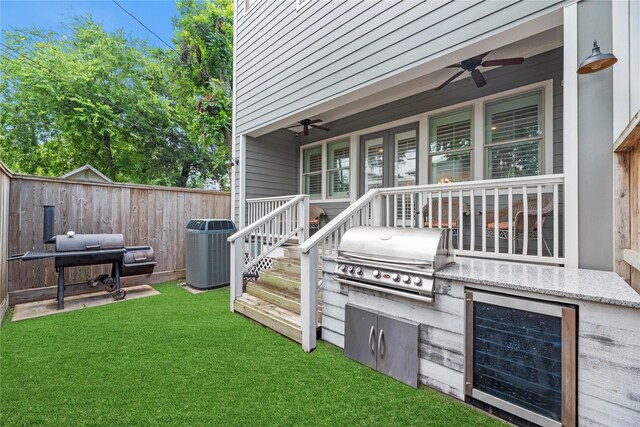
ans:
x=339 y=195
x=470 y=149
x=312 y=173
x=541 y=138
x=324 y=193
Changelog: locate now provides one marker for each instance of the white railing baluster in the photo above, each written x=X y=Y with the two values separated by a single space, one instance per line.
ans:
x=395 y=210
x=556 y=223
x=440 y=209
x=387 y=214
x=525 y=233
x=420 y=210
x=510 y=229
x=539 y=221
x=484 y=220
x=460 y=221
x=430 y=204
x=412 y=211
x=472 y=242
x=496 y=223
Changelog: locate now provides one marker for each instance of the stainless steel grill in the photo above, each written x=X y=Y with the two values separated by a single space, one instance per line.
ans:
x=399 y=261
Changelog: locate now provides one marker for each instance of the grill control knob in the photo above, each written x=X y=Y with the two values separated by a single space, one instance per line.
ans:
x=376 y=274
x=406 y=279
x=342 y=267
x=417 y=281
x=395 y=277
x=351 y=269
x=359 y=271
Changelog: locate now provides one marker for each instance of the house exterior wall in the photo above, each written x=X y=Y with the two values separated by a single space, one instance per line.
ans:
x=289 y=59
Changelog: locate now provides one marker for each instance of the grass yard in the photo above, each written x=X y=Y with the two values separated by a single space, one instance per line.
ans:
x=183 y=359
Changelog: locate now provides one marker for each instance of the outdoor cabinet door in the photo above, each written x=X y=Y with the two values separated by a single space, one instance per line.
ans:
x=397 y=348
x=360 y=335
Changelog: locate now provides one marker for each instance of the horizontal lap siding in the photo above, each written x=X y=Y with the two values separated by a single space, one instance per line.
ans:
x=288 y=60
x=271 y=163
x=154 y=216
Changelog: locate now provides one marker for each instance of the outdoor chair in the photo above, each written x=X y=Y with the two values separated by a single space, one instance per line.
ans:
x=517 y=221
x=455 y=214
x=315 y=214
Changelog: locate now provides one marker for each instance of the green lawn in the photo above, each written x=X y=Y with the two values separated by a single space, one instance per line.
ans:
x=183 y=359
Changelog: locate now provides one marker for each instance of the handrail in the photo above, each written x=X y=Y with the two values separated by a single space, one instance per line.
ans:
x=338 y=221
x=249 y=228
x=485 y=183
x=271 y=199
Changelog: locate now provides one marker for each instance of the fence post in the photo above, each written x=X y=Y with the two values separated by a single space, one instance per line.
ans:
x=308 y=297
x=237 y=265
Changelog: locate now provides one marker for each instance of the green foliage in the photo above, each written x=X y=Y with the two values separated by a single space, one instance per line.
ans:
x=138 y=114
x=178 y=359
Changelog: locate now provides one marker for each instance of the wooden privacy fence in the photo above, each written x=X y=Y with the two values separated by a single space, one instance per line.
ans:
x=145 y=215
x=5 y=179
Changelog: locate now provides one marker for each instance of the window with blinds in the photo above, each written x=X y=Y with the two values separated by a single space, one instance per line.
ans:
x=338 y=168
x=312 y=172
x=514 y=135
x=374 y=163
x=405 y=164
x=450 y=144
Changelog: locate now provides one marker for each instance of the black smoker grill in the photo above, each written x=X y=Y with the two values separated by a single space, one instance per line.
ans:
x=74 y=250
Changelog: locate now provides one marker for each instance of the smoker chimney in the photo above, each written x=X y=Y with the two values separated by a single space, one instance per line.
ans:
x=48 y=235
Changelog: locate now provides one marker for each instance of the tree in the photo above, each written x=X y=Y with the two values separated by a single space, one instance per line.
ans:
x=136 y=113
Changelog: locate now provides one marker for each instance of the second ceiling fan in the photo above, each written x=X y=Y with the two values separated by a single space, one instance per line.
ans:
x=472 y=65
x=306 y=124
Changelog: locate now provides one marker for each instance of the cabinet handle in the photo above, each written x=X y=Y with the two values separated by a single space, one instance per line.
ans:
x=372 y=340
x=381 y=343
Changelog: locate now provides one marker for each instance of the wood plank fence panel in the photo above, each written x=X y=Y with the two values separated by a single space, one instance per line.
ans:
x=145 y=215
x=5 y=182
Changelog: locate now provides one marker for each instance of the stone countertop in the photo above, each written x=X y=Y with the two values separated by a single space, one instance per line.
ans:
x=589 y=285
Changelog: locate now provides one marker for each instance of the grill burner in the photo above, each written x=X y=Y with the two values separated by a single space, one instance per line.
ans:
x=397 y=261
x=74 y=250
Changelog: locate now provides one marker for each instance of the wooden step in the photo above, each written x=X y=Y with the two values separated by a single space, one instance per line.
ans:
x=280 y=280
x=292 y=252
x=283 y=321
x=288 y=265
x=286 y=300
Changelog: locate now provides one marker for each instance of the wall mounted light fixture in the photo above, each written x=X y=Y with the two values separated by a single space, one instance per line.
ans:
x=597 y=61
x=232 y=162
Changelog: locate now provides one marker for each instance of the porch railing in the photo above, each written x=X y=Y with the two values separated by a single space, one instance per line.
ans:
x=365 y=211
x=265 y=234
x=514 y=219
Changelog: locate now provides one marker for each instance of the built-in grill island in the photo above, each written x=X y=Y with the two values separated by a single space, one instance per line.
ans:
x=391 y=261
x=398 y=261
x=75 y=250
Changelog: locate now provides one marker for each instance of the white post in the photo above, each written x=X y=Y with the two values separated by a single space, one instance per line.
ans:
x=237 y=267
x=376 y=210
x=570 y=135
x=303 y=219
x=308 y=297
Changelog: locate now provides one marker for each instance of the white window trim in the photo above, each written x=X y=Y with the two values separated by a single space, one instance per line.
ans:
x=324 y=195
x=478 y=160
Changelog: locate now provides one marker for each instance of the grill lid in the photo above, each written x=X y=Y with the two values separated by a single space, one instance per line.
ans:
x=428 y=247
x=89 y=242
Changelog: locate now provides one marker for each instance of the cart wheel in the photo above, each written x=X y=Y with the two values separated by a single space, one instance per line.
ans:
x=119 y=294
x=110 y=287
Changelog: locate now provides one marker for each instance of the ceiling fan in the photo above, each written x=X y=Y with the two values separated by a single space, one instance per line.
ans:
x=472 y=65
x=307 y=123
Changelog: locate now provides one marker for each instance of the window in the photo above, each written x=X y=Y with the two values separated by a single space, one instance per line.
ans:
x=450 y=146
x=312 y=171
x=338 y=169
x=405 y=164
x=514 y=135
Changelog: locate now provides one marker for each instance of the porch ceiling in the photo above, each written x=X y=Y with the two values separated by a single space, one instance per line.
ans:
x=536 y=44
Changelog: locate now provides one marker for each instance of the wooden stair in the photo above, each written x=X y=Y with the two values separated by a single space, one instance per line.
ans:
x=274 y=299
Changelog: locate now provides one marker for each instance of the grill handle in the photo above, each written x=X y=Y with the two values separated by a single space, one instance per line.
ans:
x=89 y=247
x=372 y=340
x=411 y=295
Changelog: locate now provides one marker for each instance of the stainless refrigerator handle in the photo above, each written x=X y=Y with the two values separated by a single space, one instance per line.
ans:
x=372 y=340
x=381 y=343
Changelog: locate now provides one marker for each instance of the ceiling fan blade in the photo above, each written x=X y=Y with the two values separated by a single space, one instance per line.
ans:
x=506 y=61
x=478 y=78
x=456 y=65
x=320 y=127
x=315 y=121
x=450 y=79
x=305 y=132
x=481 y=56
x=293 y=126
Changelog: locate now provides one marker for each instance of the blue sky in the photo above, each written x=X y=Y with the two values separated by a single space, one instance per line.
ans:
x=155 y=14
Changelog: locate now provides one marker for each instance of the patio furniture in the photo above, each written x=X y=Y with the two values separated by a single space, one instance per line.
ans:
x=315 y=213
x=517 y=222
x=455 y=214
